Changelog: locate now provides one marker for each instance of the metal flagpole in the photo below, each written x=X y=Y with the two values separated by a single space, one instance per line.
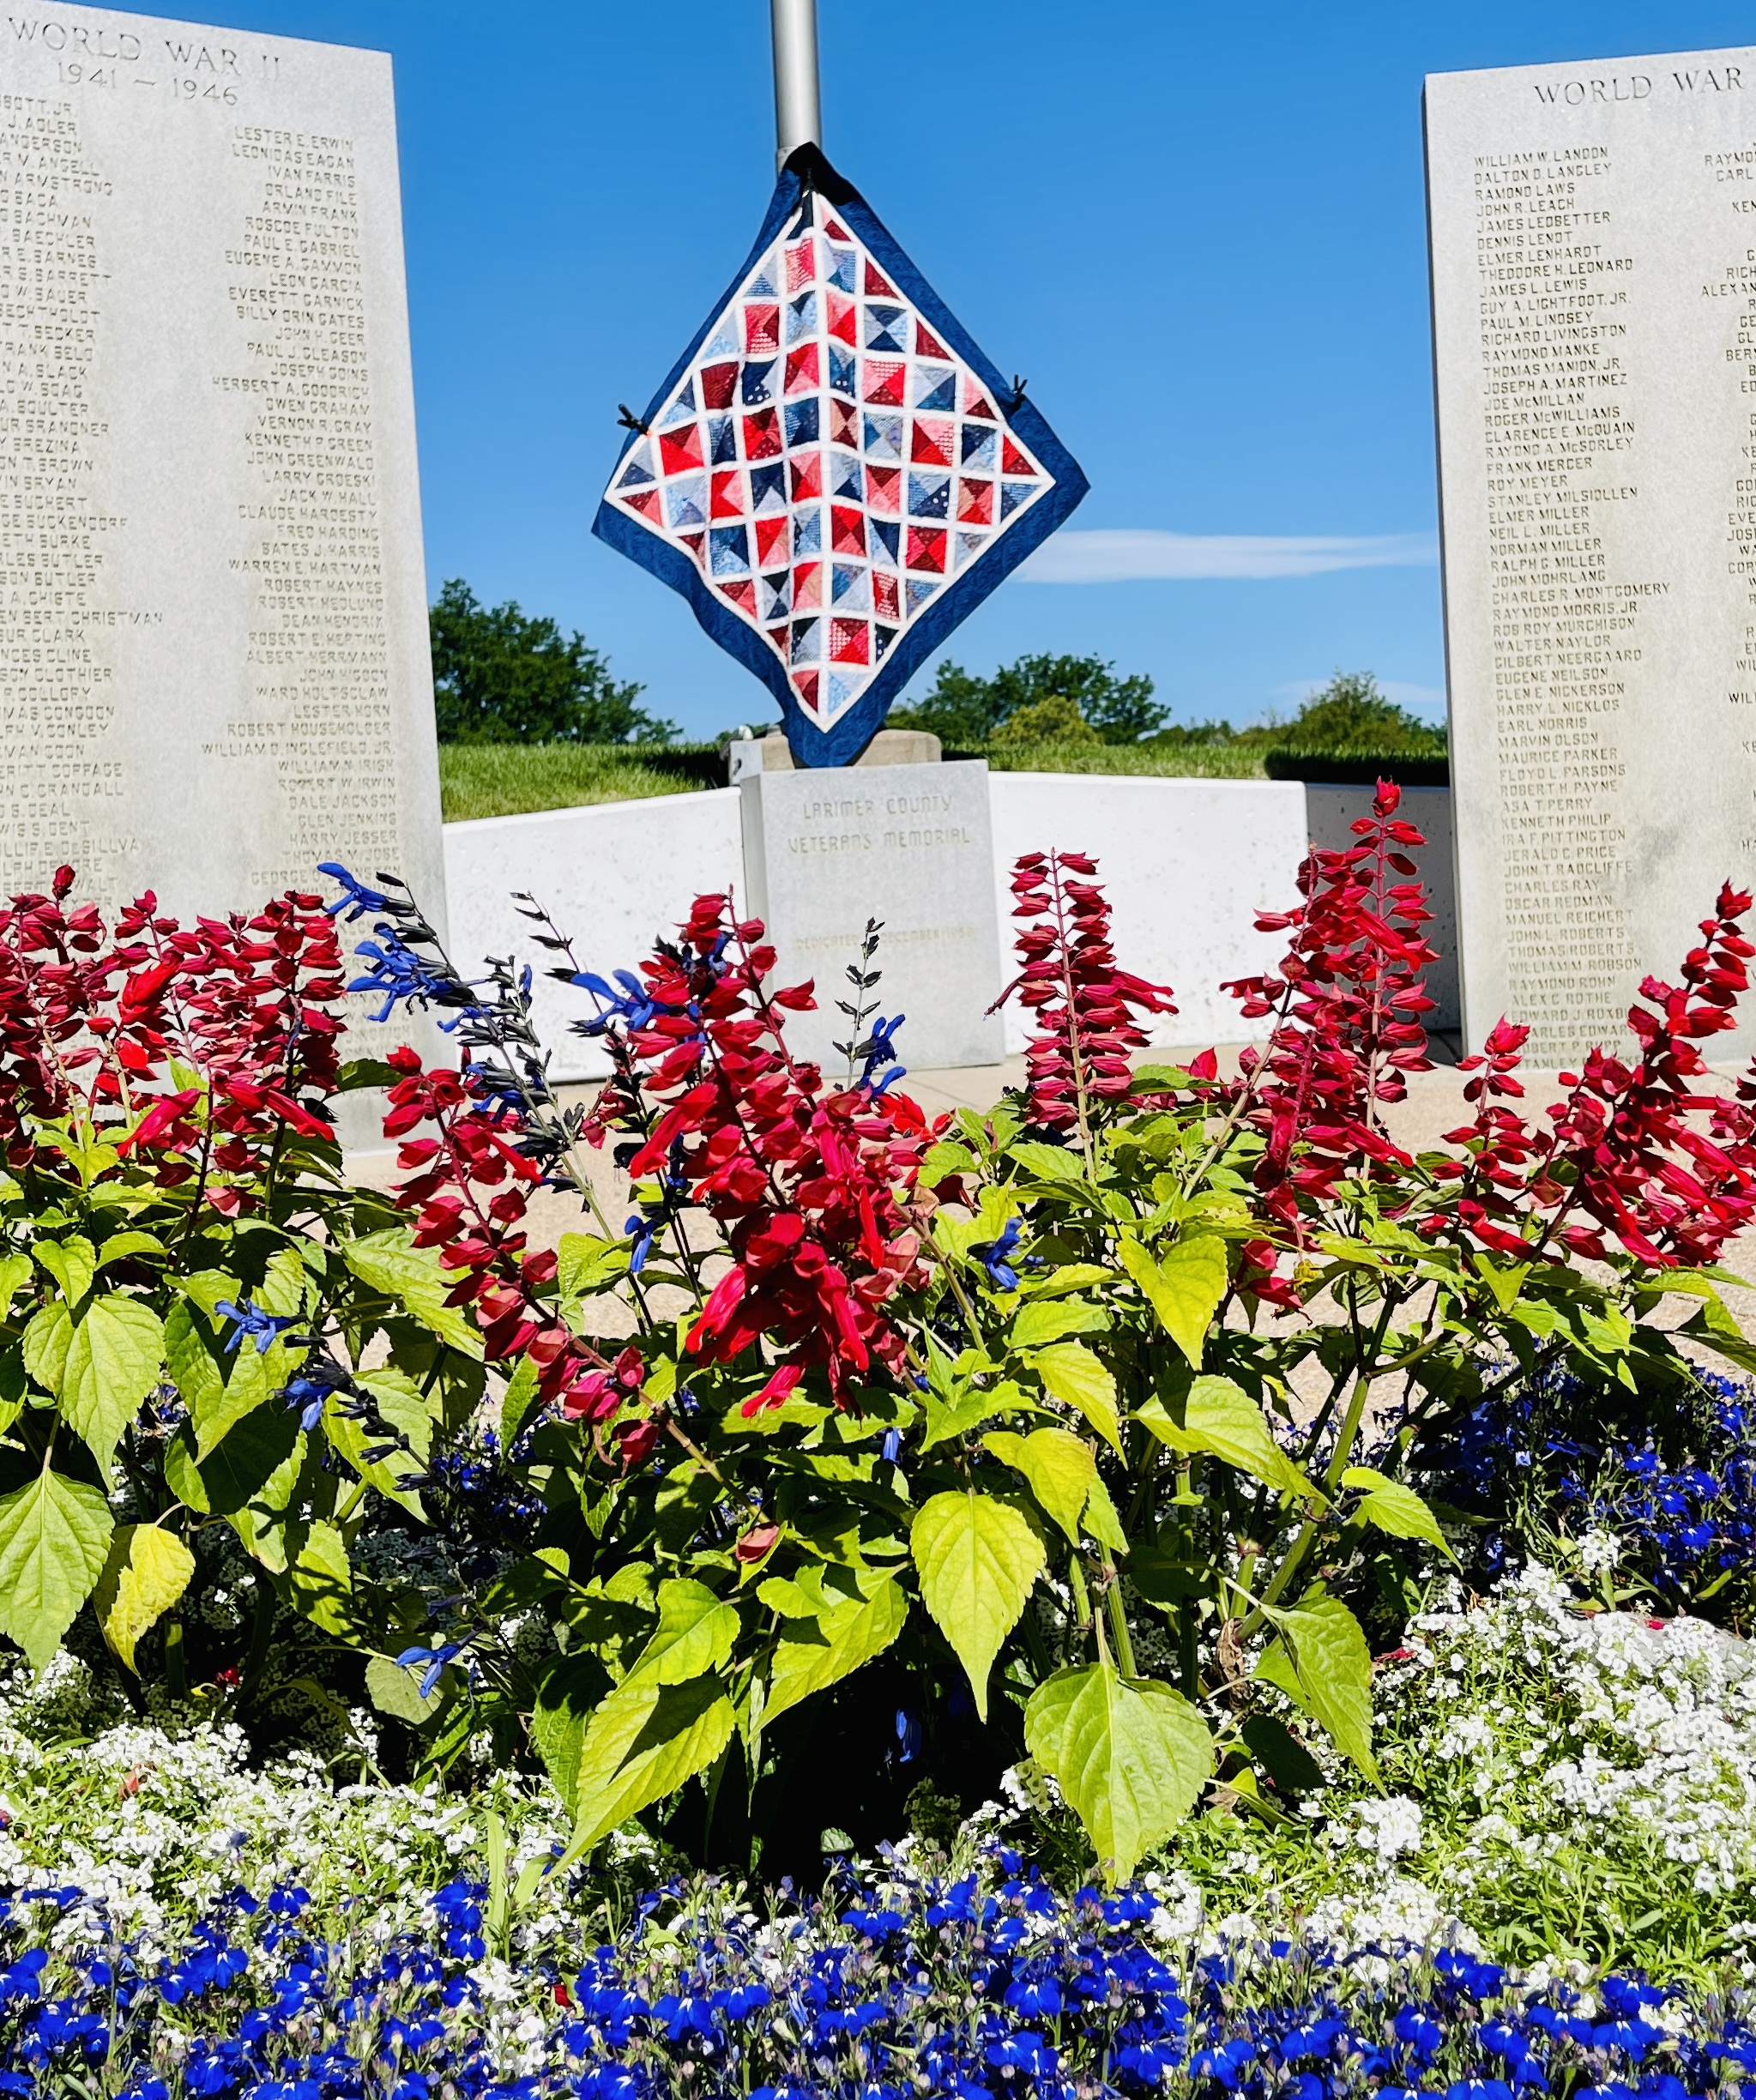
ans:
x=798 y=113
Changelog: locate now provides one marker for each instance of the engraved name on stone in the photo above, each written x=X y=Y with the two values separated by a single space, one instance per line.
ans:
x=1594 y=324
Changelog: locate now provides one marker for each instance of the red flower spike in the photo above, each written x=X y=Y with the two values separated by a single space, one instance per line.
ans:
x=1085 y=1007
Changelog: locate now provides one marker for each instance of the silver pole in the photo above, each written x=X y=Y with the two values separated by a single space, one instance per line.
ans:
x=798 y=113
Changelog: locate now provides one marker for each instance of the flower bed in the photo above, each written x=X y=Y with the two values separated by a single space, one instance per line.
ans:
x=1093 y=1490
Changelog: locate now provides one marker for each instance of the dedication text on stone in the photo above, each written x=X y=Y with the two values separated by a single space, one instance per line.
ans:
x=214 y=667
x=1594 y=264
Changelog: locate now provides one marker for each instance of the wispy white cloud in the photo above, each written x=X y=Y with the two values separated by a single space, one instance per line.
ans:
x=1123 y=557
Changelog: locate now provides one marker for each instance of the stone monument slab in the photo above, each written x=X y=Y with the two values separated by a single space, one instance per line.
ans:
x=214 y=662
x=826 y=850
x=1593 y=235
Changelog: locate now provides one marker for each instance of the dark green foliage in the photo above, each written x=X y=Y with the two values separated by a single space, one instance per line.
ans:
x=1348 y=716
x=965 y=711
x=1351 y=715
x=500 y=677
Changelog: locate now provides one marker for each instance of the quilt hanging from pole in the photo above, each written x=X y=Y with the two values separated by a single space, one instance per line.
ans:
x=834 y=474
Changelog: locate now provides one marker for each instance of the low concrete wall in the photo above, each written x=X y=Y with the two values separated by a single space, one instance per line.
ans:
x=1187 y=865
x=611 y=876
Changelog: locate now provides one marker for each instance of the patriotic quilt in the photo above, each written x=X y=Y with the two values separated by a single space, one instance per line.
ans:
x=834 y=474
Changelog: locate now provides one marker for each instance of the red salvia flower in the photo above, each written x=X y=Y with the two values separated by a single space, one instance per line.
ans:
x=1083 y=1005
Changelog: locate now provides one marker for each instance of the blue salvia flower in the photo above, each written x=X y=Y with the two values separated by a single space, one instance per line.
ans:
x=356 y=901
x=261 y=1326
x=309 y=1387
x=405 y=978
x=992 y=1254
x=435 y=1659
x=878 y=1050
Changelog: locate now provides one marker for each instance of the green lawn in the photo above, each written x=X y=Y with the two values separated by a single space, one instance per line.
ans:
x=506 y=780
x=1191 y=761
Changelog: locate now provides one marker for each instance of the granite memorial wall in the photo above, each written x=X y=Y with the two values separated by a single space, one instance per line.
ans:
x=214 y=662
x=1593 y=237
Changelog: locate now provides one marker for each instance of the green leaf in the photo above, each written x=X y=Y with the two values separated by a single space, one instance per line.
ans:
x=1131 y=1755
x=1059 y=1467
x=72 y=1263
x=358 y=1074
x=1047 y=1162
x=978 y=1405
x=147 y=1571
x=402 y=1407
x=588 y=1265
x=1070 y=1372
x=1711 y=1322
x=14 y=1274
x=112 y=1360
x=518 y=1399
x=946 y=1157
x=644 y=1741
x=977 y=1560
x=1184 y=1288
x=1221 y=1418
x=1276 y=1750
x=1394 y=1508
x=258 y=1458
x=246 y=1380
x=194 y=1369
x=1334 y=1669
x=321 y=1579
x=54 y=1539
x=120 y=1246
x=47 y=1338
x=395 y=1691
x=695 y=1635
x=569 y=1689
x=1049 y=1320
x=390 y=1262
x=1101 y=1518
x=816 y=1652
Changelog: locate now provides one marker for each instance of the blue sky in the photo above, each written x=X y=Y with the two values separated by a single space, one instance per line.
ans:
x=1197 y=230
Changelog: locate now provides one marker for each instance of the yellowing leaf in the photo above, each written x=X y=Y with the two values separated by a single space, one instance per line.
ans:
x=54 y=1539
x=977 y=1560
x=1070 y=1372
x=1131 y=1755
x=812 y=1653
x=1221 y=1418
x=146 y=1571
x=1059 y=1468
x=1184 y=1287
